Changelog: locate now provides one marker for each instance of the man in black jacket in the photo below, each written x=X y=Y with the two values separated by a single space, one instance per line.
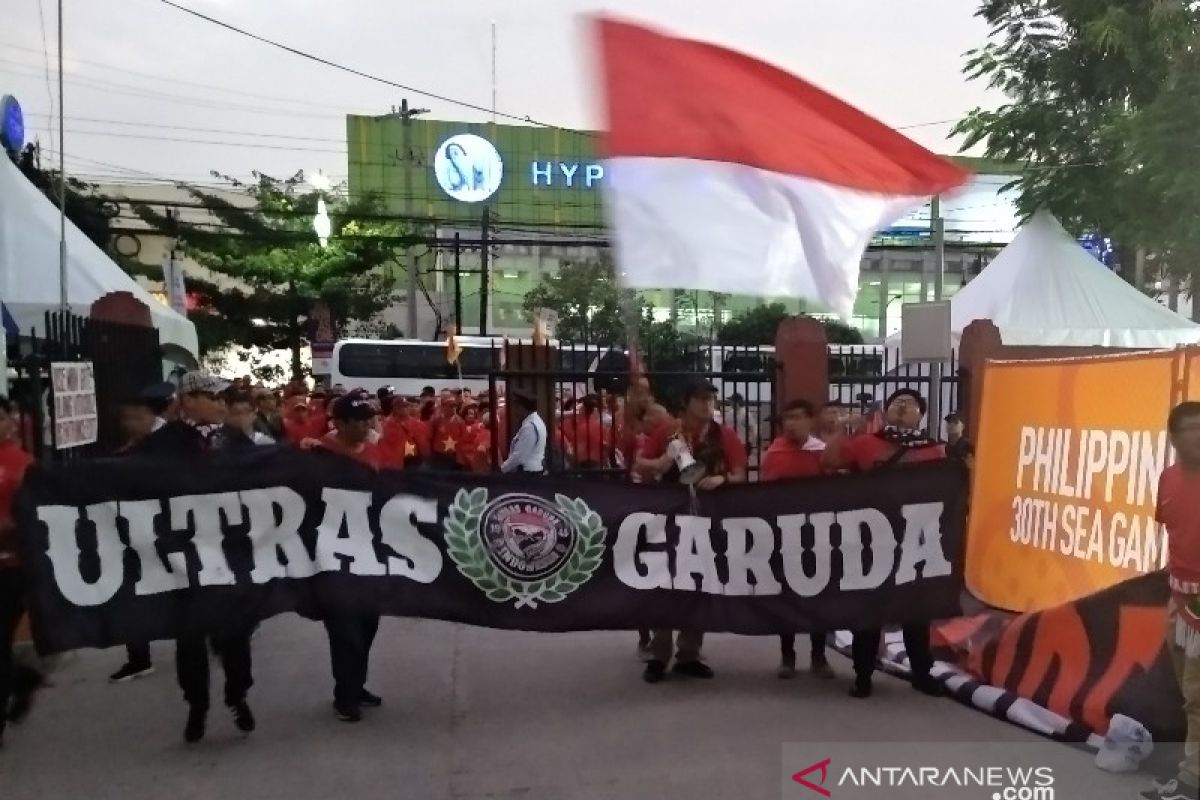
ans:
x=201 y=411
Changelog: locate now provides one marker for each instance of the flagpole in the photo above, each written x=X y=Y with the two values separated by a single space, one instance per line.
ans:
x=63 y=298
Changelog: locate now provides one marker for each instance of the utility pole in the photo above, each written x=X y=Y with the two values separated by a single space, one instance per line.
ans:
x=937 y=227
x=457 y=283
x=484 y=270
x=406 y=115
x=64 y=301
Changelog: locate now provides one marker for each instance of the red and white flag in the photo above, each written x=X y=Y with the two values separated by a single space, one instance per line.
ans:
x=727 y=174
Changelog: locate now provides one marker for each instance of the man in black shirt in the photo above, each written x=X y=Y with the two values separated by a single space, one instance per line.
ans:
x=957 y=446
x=201 y=411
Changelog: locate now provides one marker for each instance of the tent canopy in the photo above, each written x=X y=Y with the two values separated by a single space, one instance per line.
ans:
x=29 y=276
x=1044 y=289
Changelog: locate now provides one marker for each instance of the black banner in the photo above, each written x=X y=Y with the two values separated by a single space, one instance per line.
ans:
x=133 y=550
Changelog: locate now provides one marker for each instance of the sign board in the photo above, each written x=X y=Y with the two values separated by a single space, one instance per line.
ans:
x=174 y=284
x=925 y=332
x=74 y=395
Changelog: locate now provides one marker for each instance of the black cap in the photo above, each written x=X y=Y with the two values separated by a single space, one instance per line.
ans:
x=386 y=391
x=353 y=406
x=913 y=393
x=523 y=398
x=157 y=392
x=696 y=387
x=953 y=416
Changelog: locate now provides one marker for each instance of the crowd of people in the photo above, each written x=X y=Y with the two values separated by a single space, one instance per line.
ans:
x=455 y=431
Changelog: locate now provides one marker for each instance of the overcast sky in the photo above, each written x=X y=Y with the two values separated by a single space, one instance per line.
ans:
x=139 y=68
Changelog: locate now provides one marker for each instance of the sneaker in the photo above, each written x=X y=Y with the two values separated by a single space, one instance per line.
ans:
x=196 y=721
x=820 y=669
x=655 y=671
x=787 y=669
x=929 y=685
x=368 y=700
x=693 y=669
x=1159 y=788
x=347 y=713
x=861 y=688
x=242 y=716
x=130 y=672
x=1180 y=791
x=643 y=653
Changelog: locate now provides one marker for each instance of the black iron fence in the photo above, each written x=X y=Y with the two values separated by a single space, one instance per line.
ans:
x=125 y=359
x=862 y=376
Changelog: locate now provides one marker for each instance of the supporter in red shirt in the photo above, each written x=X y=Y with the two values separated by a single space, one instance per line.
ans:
x=473 y=434
x=297 y=423
x=901 y=441
x=797 y=454
x=723 y=457
x=13 y=463
x=589 y=439
x=405 y=440
x=352 y=415
x=448 y=431
x=1179 y=510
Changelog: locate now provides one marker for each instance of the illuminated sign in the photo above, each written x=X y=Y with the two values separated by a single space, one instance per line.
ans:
x=12 y=123
x=565 y=173
x=468 y=168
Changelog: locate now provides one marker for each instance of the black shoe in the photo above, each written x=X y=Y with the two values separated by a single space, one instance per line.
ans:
x=18 y=708
x=194 y=731
x=861 y=688
x=1158 y=786
x=787 y=668
x=347 y=713
x=130 y=672
x=1180 y=791
x=929 y=685
x=368 y=700
x=693 y=669
x=242 y=716
x=655 y=672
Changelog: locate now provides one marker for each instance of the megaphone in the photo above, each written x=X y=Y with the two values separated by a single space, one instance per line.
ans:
x=690 y=470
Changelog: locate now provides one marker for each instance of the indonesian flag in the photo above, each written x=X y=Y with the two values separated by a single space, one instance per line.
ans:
x=727 y=174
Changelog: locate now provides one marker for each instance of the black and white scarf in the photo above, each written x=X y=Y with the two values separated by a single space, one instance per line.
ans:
x=905 y=438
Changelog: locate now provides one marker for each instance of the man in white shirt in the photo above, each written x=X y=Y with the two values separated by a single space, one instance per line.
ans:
x=527 y=452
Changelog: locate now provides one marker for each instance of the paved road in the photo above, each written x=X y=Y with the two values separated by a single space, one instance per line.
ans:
x=471 y=714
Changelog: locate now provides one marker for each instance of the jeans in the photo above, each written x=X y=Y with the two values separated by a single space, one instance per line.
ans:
x=350 y=639
x=1187 y=672
x=787 y=646
x=687 y=646
x=191 y=667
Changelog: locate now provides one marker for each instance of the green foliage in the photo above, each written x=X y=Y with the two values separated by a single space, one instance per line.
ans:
x=86 y=210
x=1101 y=108
x=757 y=326
x=587 y=299
x=268 y=247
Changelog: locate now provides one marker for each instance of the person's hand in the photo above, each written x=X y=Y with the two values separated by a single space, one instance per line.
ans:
x=310 y=444
x=711 y=482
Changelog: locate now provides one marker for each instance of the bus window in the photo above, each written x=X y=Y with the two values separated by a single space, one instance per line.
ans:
x=474 y=361
x=386 y=360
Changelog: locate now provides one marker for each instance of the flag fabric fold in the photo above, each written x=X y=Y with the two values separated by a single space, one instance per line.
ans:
x=727 y=174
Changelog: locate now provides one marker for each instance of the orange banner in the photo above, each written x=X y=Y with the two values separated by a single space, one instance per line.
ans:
x=1068 y=455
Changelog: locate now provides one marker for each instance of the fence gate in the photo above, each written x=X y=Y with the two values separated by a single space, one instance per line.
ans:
x=862 y=376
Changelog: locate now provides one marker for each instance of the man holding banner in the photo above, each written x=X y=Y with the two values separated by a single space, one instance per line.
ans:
x=900 y=442
x=1179 y=511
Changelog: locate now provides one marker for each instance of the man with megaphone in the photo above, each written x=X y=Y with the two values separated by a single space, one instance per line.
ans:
x=698 y=451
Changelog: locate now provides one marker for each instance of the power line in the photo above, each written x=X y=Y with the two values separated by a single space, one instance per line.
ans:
x=160 y=126
x=369 y=76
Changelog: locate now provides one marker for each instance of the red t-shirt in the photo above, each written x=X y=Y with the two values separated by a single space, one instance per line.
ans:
x=1179 y=510
x=365 y=453
x=402 y=440
x=786 y=459
x=655 y=445
x=298 y=428
x=587 y=436
x=13 y=463
x=867 y=452
x=447 y=434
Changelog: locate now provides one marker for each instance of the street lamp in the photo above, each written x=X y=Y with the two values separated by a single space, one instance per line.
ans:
x=321 y=222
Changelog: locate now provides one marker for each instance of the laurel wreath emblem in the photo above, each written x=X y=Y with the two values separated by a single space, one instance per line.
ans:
x=467 y=551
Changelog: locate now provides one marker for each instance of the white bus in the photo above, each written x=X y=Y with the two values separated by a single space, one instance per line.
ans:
x=758 y=364
x=410 y=365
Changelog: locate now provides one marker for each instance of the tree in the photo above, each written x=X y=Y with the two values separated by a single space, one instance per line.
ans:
x=588 y=302
x=267 y=246
x=1098 y=108
x=88 y=211
x=757 y=326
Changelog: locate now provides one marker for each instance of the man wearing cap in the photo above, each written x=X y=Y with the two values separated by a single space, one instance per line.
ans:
x=900 y=442
x=527 y=451
x=718 y=449
x=405 y=440
x=351 y=633
x=958 y=447
x=797 y=454
x=201 y=409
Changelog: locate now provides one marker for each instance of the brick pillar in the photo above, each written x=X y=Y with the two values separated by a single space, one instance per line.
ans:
x=802 y=357
x=979 y=341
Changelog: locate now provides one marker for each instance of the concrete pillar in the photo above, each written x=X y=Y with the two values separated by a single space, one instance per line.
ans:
x=802 y=357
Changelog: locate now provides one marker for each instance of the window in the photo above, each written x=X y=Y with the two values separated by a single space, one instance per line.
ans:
x=386 y=360
x=748 y=362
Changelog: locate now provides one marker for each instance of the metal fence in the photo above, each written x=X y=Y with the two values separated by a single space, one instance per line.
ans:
x=862 y=377
x=125 y=359
x=581 y=392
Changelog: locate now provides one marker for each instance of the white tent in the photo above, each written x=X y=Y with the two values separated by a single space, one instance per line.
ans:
x=1044 y=289
x=29 y=275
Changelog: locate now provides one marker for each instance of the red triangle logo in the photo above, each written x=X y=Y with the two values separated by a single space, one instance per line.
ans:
x=819 y=788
